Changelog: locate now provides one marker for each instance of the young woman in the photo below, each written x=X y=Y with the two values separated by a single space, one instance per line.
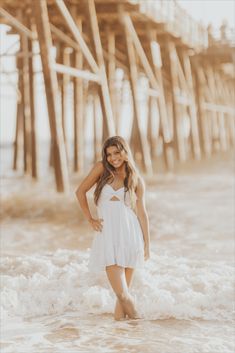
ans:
x=121 y=242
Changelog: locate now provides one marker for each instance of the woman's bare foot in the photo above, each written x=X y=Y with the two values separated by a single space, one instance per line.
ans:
x=118 y=312
x=128 y=305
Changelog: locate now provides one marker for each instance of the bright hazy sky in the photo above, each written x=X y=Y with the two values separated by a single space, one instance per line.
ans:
x=214 y=11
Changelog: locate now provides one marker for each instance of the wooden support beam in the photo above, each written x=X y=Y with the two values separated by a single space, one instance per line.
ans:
x=219 y=108
x=216 y=117
x=65 y=58
x=229 y=118
x=206 y=91
x=156 y=62
x=97 y=128
x=202 y=116
x=209 y=120
x=119 y=53
x=73 y=44
x=213 y=115
x=19 y=117
x=222 y=131
x=77 y=35
x=74 y=72
x=181 y=99
x=51 y=87
x=78 y=101
x=17 y=24
x=179 y=141
x=18 y=131
x=111 y=73
x=119 y=63
x=26 y=105
x=20 y=54
x=32 y=87
x=227 y=101
x=222 y=116
x=153 y=93
x=153 y=126
x=119 y=98
x=97 y=48
x=181 y=72
x=139 y=49
x=192 y=106
x=138 y=139
x=65 y=38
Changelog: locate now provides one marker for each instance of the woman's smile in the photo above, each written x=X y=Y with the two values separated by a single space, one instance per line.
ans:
x=116 y=162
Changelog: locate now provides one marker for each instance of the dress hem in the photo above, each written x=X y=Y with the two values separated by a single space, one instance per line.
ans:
x=102 y=269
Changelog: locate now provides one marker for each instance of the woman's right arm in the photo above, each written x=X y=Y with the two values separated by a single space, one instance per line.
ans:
x=83 y=188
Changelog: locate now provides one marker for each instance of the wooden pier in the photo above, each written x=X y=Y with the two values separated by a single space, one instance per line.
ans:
x=188 y=74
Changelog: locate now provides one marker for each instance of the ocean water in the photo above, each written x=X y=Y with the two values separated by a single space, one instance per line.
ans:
x=50 y=303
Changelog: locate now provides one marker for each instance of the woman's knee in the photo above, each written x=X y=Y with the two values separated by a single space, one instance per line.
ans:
x=122 y=296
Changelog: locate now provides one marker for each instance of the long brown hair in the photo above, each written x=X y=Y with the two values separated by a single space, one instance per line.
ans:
x=131 y=178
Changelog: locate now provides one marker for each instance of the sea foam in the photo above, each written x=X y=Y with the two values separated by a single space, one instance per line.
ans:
x=168 y=287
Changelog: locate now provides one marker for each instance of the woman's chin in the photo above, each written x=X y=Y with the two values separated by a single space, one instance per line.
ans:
x=116 y=166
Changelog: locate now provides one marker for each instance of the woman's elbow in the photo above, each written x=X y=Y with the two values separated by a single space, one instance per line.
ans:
x=141 y=213
x=79 y=192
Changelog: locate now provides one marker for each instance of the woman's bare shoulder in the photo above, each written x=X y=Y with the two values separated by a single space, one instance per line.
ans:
x=92 y=177
x=99 y=167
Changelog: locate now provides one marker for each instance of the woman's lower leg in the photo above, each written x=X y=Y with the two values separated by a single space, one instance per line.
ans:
x=127 y=304
x=117 y=279
x=119 y=313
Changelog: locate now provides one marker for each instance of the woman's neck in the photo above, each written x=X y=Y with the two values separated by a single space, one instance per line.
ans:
x=120 y=171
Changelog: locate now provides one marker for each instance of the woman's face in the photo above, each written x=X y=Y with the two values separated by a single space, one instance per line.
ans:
x=115 y=157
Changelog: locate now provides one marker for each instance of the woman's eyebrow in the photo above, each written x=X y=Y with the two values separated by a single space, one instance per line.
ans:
x=112 y=152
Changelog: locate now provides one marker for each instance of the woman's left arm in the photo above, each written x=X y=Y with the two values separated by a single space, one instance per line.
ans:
x=143 y=216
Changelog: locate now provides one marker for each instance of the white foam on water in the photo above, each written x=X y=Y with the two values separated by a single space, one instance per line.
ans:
x=169 y=287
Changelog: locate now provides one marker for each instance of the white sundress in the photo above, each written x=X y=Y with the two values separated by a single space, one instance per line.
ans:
x=121 y=240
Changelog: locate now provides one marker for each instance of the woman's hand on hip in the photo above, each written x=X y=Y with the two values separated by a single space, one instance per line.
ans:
x=96 y=224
